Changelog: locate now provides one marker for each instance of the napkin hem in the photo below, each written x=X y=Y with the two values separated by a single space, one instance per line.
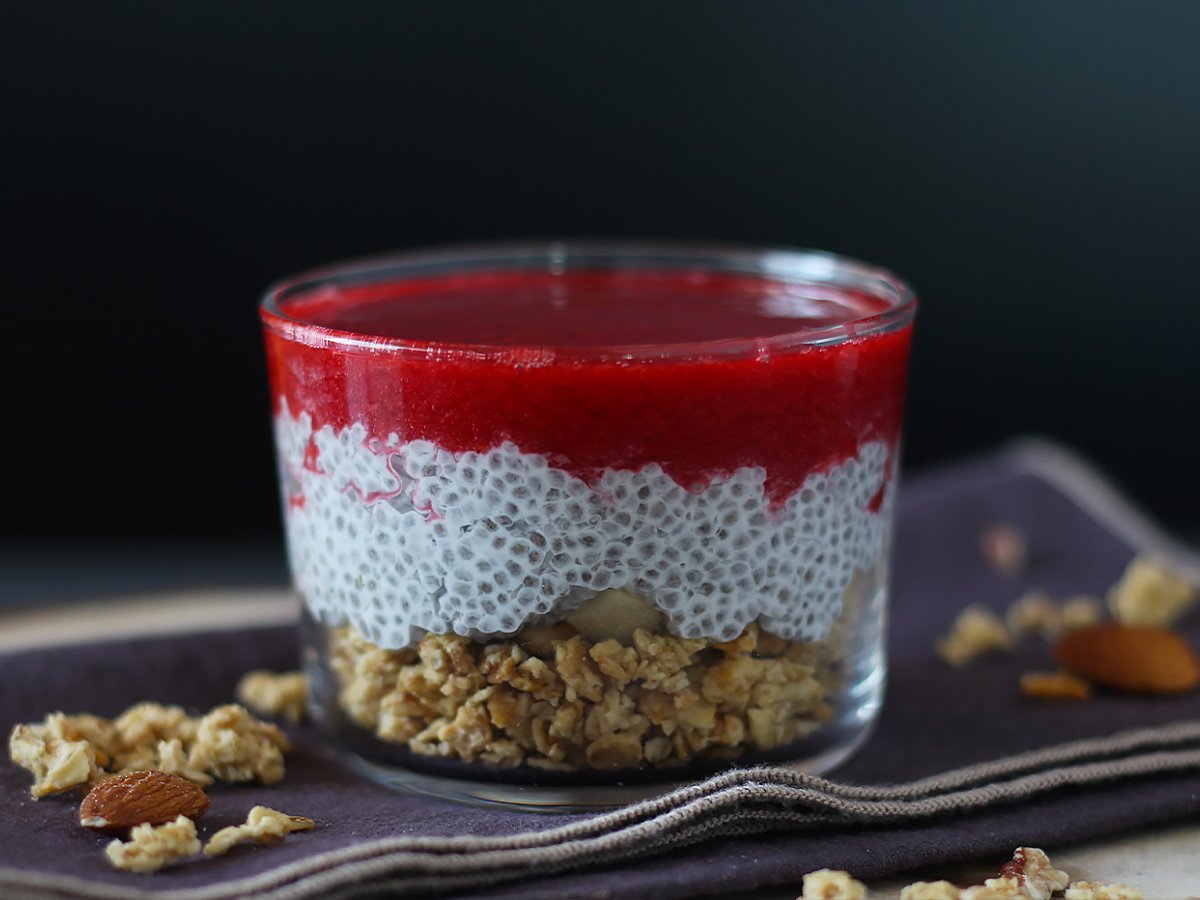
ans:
x=735 y=803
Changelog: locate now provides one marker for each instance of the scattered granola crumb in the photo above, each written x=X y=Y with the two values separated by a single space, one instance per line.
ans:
x=1004 y=548
x=975 y=632
x=57 y=762
x=1054 y=686
x=1081 y=611
x=1034 y=612
x=280 y=695
x=234 y=746
x=145 y=723
x=1032 y=870
x=173 y=759
x=150 y=848
x=930 y=890
x=1094 y=890
x=67 y=752
x=263 y=826
x=995 y=889
x=832 y=884
x=1150 y=595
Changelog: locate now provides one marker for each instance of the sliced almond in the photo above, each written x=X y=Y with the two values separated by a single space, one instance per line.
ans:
x=1139 y=660
x=1054 y=686
x=117 y=804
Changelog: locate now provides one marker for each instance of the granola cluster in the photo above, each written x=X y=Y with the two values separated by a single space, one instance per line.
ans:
x=1031 y=869
x=152 y=847
x=57 y=753
x=1036 y=612
x=1094 y=890
x=978 y=631
x=263 y=826
x=277 y=695
x=64 y=752
x=1029 y=875
x=929 y=890
x=1150 y=595
x=832 y=884
x=553 y=699
x=975 y=631
x=1004 y=888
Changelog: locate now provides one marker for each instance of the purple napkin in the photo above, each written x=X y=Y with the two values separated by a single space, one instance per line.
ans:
x=935 y=719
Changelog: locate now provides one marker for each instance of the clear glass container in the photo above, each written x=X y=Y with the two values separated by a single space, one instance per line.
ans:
x=573 y=522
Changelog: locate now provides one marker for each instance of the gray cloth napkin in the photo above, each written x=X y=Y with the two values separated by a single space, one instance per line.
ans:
x=960 y=766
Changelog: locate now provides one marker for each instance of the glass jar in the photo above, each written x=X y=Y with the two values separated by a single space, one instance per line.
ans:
x=572 y=522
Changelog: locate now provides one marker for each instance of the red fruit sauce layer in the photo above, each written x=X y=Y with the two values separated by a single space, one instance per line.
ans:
x=535 y=358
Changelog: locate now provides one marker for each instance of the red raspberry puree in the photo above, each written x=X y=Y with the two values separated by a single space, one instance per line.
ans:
x=586 y=368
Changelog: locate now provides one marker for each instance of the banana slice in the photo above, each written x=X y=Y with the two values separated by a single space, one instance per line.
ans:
x=615 y=614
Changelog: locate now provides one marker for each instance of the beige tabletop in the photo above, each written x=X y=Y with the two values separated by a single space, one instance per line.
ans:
x=1163 y=862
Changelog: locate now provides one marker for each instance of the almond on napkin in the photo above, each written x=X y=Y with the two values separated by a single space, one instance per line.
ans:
x=1138 y=660
x=117 y=804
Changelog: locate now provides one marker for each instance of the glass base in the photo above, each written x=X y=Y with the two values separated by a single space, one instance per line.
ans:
x=534 y=798
x=816 y=755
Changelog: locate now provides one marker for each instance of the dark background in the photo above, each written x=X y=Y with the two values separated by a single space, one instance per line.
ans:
x=1032 y=167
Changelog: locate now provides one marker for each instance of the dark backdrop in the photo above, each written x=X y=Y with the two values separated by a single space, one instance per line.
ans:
x=1032 y=168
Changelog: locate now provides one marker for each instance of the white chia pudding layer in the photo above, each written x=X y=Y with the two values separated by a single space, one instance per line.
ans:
x=400 y=539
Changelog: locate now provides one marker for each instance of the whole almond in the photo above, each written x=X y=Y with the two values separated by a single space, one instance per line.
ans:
x=117 y=804
x=1139 y=660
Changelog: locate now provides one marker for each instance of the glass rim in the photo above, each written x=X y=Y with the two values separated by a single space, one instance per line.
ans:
x=777 y=264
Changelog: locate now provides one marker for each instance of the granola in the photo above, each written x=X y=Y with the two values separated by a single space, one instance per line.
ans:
x=995 y=889
x=1037 y=612
x=263 y=826
x=66 y=752
x=1034 y=612
x=58 y=762
x=278 y=695
x=234 y=746
x=551 y=698
x=976 y=631
x=832 y=884
x=1094 y=890
x=1081 y=611
x=1028 y=876
x=1149 y=595
x=150 y=847
x=929 y=890
x=1031 y=868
